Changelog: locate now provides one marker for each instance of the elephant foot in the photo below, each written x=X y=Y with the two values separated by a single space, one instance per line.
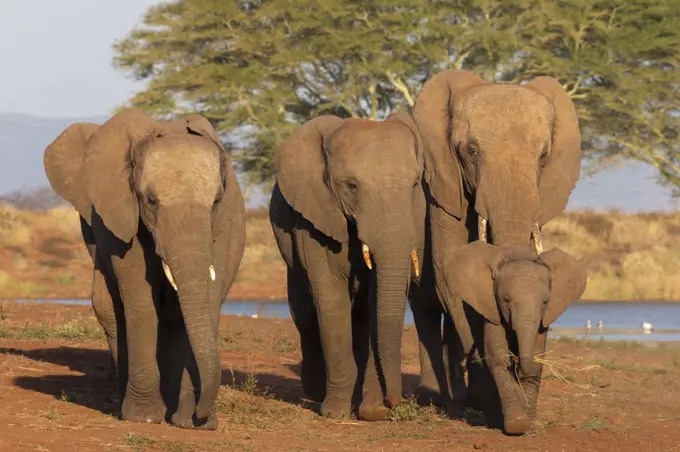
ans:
x=149 y=409
x=335 y=408
x=181 y=420
x=372 y=407
x=428 y=394
x=518 y=424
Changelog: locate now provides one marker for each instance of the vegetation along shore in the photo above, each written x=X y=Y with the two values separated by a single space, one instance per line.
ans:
x=630 y=257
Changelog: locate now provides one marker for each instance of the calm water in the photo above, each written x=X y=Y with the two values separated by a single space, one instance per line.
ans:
x=664 y=317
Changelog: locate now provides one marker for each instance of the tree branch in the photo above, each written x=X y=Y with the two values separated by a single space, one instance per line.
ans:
x=402 y=88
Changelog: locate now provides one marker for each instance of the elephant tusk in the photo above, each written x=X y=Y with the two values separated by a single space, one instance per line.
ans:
x=212 y=272
x=367 y=256
x=168 y=274
x=414 y=259
x=536 y=238
x=481 y=228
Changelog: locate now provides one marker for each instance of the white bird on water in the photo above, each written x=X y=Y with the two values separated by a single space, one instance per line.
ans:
x=647 y=327
x=600 y=325
x=588 y=325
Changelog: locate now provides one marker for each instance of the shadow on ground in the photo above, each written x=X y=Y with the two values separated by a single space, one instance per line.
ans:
x=96 y=389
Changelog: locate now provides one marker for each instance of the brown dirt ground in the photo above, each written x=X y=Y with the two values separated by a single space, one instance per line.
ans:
x=54 y=396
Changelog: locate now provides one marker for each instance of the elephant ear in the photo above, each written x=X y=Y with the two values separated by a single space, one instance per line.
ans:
x=568 y=281
x=563 y=167
x=433 y=114
x=63 y=162
x=470 y=277
x=107 y=167
x=301 y=167
x=406 y=119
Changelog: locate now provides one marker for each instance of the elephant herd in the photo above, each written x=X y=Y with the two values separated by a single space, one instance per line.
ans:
x=441 y=207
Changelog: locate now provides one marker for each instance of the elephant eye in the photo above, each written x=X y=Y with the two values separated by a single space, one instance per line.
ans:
x=472 y=148
x=151 y=201
x=352 y=187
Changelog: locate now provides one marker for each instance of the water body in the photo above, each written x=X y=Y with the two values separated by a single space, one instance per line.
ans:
x=621 y=321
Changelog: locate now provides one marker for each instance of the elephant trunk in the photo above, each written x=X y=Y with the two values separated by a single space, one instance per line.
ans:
x=189 y=262
x=507 y=197
x=525 y=324
x=391 y=238
x=393 y=270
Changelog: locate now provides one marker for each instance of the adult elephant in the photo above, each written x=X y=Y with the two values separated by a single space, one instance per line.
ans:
x=163 y=218
x=500 y=161
x=348 y=215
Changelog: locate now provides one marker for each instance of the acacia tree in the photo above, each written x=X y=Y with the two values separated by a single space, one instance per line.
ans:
x=257 y=69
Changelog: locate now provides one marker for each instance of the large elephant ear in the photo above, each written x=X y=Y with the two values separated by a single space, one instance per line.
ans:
x=433 y=114
x=63 y=162
x=301 y=167
x=107 y=167
x=568 y=281
x=563 y=168
x=469 y=275
x=404 y=118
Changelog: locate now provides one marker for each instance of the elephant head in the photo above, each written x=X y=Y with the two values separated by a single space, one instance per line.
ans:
x=510 y=284
x=175 y=179
x=364 y=176
x=517 y=149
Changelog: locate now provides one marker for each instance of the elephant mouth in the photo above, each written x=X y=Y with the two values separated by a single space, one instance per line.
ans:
x=171 y=279
x=536 y=238
x=366 y=252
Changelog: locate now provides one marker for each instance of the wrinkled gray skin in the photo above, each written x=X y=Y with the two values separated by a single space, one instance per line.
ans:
x=517 y=295
x=341 y=184
x=150 y=193
x=503 y=154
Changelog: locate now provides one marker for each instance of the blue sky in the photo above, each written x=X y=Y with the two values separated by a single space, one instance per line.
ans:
x=56 y=55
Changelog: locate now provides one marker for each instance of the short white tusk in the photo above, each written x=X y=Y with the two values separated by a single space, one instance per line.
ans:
x=367 y=256
x=481 y=228
x=416 y=266
x=212 y=273
x=168 y=274
x=536 y=238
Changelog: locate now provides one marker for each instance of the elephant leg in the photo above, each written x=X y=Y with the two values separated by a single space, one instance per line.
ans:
x=334 y=308
x=186 y=403
x=532 y=383
x=301 y=305
x=108 y=309
x=143 y=401
x=480 y=383
x=454 y=363
x=510 y=396
x=371 y=406
x=102 y=304
x=432 y=386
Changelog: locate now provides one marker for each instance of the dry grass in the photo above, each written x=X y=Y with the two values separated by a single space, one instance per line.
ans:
x=629 y=257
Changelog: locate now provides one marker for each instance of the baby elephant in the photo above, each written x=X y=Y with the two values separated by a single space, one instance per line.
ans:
x=517 y=295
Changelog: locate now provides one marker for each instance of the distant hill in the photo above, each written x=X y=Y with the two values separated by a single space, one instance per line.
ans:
x=23 y=139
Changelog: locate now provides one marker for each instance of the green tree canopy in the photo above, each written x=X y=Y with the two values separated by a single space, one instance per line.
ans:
x=258 y=69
